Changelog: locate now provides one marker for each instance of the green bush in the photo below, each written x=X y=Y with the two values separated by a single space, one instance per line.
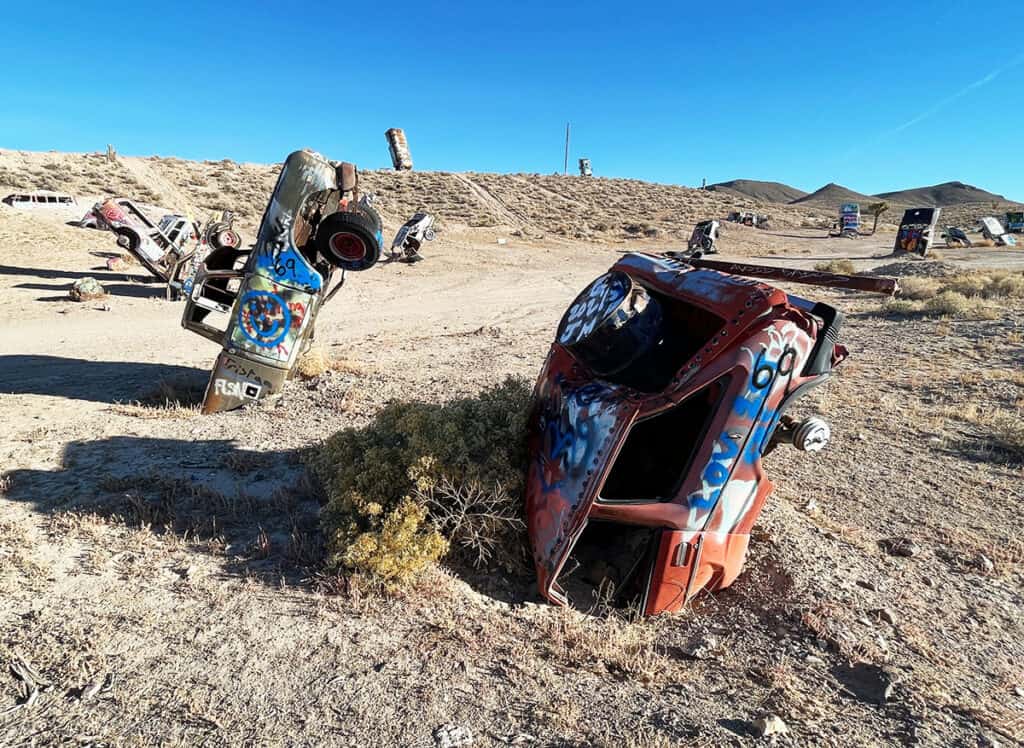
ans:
x=423 y=479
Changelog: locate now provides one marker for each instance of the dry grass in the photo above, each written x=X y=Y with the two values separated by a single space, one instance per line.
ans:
x=156 y=412
x=918 y=288
x=970 y=295
x=606 y=640
x=1006 y=429
x=347 y=366
x=843 y=267
x=313 y=363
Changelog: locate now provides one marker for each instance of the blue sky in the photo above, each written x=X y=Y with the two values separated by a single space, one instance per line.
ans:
x=880 y=96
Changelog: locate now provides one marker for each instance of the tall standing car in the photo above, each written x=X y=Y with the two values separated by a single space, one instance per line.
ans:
x=410 y=237
x=261 y=304
x=917 y=227
x=848 y=225
x=665 y=386
x=704 y=238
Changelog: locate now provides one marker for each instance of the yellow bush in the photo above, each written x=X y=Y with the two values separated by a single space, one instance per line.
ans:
x=423 y=478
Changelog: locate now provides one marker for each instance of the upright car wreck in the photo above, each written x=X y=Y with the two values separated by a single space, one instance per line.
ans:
x=667 y=383
x=849 y=222
x=264 y=301
x=916 y=230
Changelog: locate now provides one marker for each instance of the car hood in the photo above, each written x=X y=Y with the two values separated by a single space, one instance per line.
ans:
x=577 y=428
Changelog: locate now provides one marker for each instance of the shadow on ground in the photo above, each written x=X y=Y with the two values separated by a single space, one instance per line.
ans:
x=103 y=276
x=97 y=381
x=257 y=509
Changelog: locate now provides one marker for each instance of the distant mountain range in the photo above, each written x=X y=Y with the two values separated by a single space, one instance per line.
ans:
x=768 y=192
x=832 y=194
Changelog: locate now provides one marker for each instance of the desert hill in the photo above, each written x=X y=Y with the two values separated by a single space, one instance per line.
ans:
x=942 y=195
x=532 y=203
x=765 y=192
x=832 y=194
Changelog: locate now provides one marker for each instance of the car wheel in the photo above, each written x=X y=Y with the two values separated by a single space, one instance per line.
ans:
x=226 y=239
x=611 y=324
x=127 y=239
x=349 y=240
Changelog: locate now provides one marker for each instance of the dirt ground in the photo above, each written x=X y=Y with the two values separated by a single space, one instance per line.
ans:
x=161 y=570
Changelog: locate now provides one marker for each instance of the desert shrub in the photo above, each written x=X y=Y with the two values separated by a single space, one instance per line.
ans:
x=950 y=303
x=1010 y=285
x=1007 y=429
x=968 y=284
x=918 y=288
x=845 y=267
x=313 y=363
x=989 y=285
x=900 y=307
x=424 y=479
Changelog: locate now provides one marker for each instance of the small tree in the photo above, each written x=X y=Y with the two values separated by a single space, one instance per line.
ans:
x=877 y=209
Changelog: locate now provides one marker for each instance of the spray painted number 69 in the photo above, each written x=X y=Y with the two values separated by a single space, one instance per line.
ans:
x=286 y=267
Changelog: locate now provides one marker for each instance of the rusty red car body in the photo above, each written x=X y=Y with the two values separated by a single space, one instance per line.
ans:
x=644 y=483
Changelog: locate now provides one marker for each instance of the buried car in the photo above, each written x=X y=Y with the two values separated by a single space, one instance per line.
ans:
x=218 y=233
x=704 y=237
x=956 y=237
x=666 y=384
x=993 y=230
x=410 y=237
x=261 y=304
x=158 y=246
x=849 y=222
x=916 y=230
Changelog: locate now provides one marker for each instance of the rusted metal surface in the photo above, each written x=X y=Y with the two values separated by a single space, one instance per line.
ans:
x=401 y=158
x=645 y=481
x=882 y=285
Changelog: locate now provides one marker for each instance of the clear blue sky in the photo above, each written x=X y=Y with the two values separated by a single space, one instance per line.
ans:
x=879 y=96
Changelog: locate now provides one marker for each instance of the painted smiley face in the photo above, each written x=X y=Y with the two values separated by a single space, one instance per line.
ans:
x=264 y=318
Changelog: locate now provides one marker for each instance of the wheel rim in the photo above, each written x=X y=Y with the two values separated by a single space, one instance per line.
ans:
x=348 y=247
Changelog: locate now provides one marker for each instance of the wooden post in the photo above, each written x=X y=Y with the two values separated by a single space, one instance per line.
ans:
x=565 y=167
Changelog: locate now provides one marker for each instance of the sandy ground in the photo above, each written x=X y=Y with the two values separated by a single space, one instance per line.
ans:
x=161 y=570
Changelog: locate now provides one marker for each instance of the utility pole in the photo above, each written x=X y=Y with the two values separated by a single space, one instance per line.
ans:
x=565 y=167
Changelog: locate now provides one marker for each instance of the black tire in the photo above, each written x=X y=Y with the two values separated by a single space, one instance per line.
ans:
x=348 y=240
x=128 y=239
x=226 y=239
x=611 y=325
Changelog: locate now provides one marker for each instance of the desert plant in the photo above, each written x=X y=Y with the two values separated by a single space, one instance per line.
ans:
x=918 y=288
x=1007 y=429
x=423 y=479
x=949 y=303
x=844 y=267
x=876 y=210
x=313 y=363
